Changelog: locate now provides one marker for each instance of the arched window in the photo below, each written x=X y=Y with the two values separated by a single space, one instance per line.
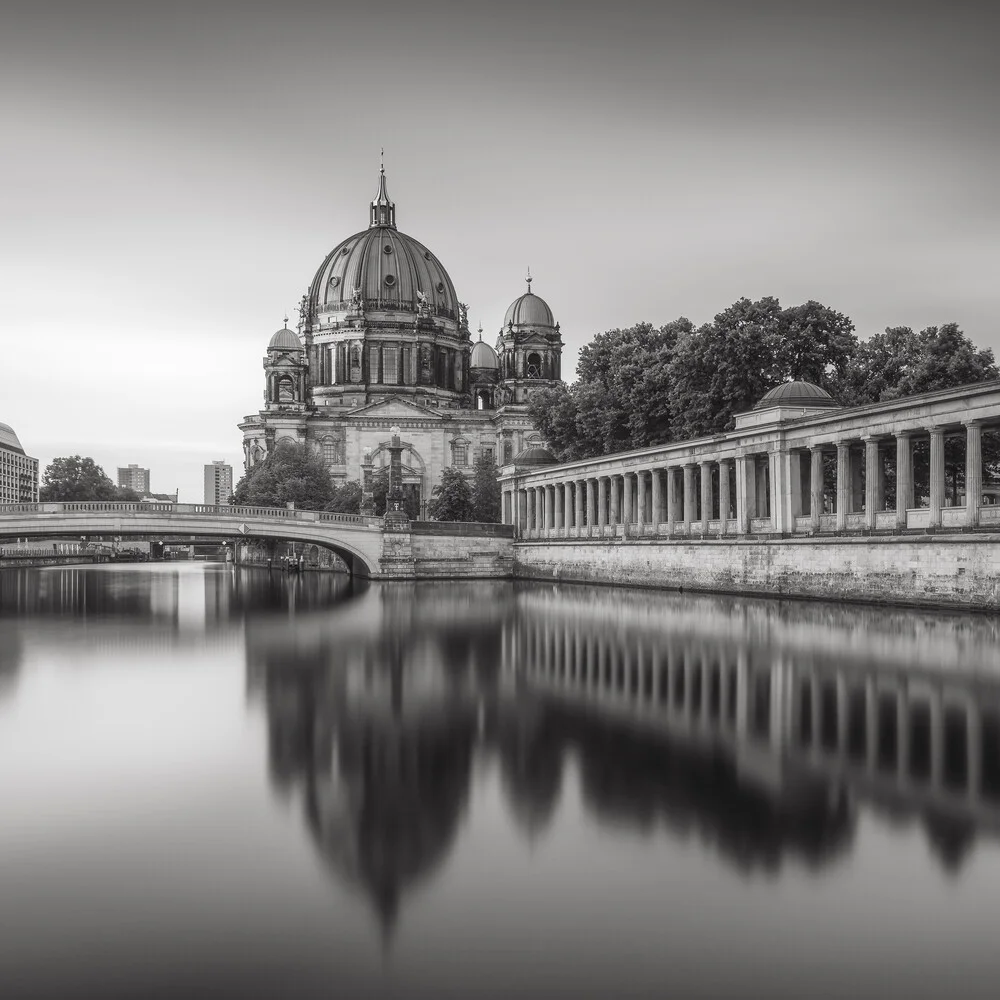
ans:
x=286 y=390
x=355 y=363
x=534 y=365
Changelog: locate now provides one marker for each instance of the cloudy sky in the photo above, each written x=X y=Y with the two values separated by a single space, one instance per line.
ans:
x=174 y=173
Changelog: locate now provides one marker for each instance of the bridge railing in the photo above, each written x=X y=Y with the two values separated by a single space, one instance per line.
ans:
x=212 y=510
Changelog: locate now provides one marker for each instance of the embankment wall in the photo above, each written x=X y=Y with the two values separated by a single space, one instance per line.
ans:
x=927 y=570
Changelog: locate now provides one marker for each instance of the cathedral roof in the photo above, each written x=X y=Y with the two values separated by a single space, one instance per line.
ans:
x=384 y=268
x=529 y=310
x=285 y=340
x=797 y=393
x=483 y=356
x=8 y=439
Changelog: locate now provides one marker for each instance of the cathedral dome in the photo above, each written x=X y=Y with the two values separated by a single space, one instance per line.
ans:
x=797 y=393
x=529 y=310
x=285 y=340
x=483 y=356
x=381 y=268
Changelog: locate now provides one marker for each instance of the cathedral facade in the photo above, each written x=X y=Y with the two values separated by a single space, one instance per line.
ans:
x=383 y=342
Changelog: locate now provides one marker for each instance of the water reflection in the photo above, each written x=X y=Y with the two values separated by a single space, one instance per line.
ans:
x=760 y=729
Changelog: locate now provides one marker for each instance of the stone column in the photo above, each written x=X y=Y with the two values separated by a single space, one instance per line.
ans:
x=973 y=471
x=602 y=501
x=557 y=506
x=671 y=475
x=591 y=503
x=640 y=499
x=540 y=508
x=872 y=482
x=843 y=483
x=580 y=490
x=706 y=495
x=904 y=477
x=522 y=510
x=616 y=500
x=742 y=495
x=937 y=476
x=657 y=498
x=626 y=508
x=723 y=495
x=815 y=485
x=689 y=502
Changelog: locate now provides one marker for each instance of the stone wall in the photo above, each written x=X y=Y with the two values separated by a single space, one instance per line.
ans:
x=423 y=555
x=929 y=570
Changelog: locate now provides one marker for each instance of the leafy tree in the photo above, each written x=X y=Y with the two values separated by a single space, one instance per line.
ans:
x=346 y=498
x=292 y=473
x=75 y=479
x=486 y=493
x=452 y=498
x=815 y=343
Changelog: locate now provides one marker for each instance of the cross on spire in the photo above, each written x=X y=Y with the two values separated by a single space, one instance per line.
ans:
x=528 y=279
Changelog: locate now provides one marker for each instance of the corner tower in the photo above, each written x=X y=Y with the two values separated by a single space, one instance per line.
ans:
x=529 y=346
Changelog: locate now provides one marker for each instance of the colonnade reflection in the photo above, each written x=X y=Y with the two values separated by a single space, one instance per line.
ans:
x=761 y=730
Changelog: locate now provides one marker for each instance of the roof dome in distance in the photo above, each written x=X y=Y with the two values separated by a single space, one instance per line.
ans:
x=535 y=456
x=483 y=356
x=797 y=393
x=285 y=340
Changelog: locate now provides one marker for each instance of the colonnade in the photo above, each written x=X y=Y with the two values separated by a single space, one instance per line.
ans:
x=785 y=489
x=926 y=734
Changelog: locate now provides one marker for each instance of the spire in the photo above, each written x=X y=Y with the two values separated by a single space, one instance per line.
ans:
x=383 y=209
x=480 y=332
x=528 y=280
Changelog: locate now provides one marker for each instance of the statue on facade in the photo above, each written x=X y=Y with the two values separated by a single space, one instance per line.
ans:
x=463 y=312
x=356 y=300
x=423 y=306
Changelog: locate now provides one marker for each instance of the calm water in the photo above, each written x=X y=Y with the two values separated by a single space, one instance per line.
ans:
x=211 y=780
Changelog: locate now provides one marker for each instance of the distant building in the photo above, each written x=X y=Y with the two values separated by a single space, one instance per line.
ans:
x=18 y=472
x=218 y=482
x=158 y=498
x=134 y=478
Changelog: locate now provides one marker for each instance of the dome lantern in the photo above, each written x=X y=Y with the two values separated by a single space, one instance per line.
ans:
x=383 y=208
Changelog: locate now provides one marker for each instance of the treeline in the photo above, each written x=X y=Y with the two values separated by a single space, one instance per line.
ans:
x=648 y=385
x=296 y=473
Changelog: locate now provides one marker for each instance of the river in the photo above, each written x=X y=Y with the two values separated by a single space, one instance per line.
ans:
x=214 y=781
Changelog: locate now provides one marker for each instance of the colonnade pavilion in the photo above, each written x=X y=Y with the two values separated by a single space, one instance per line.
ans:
x=797 y=463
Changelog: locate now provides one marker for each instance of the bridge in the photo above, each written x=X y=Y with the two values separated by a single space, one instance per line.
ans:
x=420 y=549
x=357 y=540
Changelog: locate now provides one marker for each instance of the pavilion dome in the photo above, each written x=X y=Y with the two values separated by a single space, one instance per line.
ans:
x=529 y=310
x=384 y=269
x=797 y=393
x=285 y=340
x=8 y=439
x=535 y=456
x=483 y=356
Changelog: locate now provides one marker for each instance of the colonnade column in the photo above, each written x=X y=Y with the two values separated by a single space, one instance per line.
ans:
x=626 y=508
x=843 y=483
x=656 y=501
x=815 y=485
x=904 y=477
x=567 y=505
x=591 y=503
x=522 y=510
x=873 y=482
x=706 y=495
x=723 y=495
x=616 y=502
x=671 y=499
x=689 y=501
x=742 y=496
x=537 y=521
x=602 y=501
x=973 y=471
x=937 y=476
x=578 y=503
x=640 y=498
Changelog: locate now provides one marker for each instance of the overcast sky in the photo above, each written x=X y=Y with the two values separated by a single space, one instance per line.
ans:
x=173 y=174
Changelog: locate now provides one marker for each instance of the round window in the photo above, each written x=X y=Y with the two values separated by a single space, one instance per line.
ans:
x=427 y=255
x=387 y=248
x=390 y=280
x=346 y=250
x=334 y=281
x=440 y=286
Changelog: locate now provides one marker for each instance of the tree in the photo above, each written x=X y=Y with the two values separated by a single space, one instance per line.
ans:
x=346 y=498
x=486 y=494
x=815 y=344
x=452 y=498
x=292 y=473
x=75 y=479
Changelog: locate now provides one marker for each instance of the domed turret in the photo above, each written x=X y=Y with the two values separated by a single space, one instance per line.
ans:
x=535 y=457
x=285 y=340
x=483 y=356
x=529 y=310
x=530 y=344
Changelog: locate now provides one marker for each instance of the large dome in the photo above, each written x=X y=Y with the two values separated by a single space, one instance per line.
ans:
x=385 y=268
x=529 y=310
x=797 y=393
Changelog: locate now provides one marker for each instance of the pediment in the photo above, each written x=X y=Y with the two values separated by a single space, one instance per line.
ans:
x=390 y=408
